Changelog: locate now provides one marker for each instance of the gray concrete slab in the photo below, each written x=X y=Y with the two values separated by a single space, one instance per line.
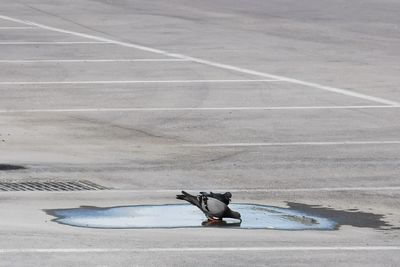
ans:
x=202 y=127
x=71 y=51
x=354 y=46
x=134 y=150
x=117 y=71
x=132 y=167
x=167 y=95
x=35 y=35
x=6 y=23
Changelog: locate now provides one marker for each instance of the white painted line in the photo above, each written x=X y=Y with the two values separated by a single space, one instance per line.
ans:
x=50 y=43
x=214 y=64
x=296 y=81
x=258 y=190
x=17 y=28
x=323 y=189
x=200 y=249
x=189 y=109
x=394 y=142
x=136 y=81
x=91 y=60
x=232 y=190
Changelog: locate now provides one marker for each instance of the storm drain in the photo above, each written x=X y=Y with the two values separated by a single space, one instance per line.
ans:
x=80 y=185
x=9 y=167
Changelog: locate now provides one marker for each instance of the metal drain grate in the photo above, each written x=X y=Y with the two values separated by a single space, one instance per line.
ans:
x=79 y=185
x=9 y=167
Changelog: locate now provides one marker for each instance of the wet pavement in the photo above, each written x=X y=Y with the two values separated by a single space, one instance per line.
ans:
x=352 y=217
x=297 y=216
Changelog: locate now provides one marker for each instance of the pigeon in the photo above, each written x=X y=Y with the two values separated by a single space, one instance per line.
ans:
x=213 y=205
x=225 y=198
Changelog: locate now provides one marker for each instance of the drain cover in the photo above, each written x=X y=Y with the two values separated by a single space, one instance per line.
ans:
x=51 y=186
x=9 y=167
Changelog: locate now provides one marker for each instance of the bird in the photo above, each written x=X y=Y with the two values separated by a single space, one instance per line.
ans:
x=213 y=205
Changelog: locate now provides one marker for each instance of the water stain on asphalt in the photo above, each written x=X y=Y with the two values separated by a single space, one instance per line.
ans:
x=9 y=167
x=254 y=216
x=351 y=217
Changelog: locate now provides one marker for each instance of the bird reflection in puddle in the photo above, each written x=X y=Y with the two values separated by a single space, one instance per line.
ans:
x=220 y=223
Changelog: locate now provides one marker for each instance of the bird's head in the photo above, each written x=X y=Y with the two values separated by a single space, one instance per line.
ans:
x=228 y=194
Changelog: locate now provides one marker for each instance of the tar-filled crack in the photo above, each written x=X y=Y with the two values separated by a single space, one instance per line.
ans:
x=126 y=128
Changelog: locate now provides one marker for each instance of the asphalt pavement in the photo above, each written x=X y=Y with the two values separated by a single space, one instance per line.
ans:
x=283 y=103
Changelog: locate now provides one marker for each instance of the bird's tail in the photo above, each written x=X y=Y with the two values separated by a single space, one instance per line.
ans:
x=182 y=196
x=189 y=198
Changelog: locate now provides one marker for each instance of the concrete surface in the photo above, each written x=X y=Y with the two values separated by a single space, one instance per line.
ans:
x=152 y=97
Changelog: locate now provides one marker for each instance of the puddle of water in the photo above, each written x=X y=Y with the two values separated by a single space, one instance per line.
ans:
x=182 y=215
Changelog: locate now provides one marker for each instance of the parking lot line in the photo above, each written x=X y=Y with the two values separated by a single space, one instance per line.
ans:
x=91 y=60
x=321 y=189
x=213 y=64
x=136 y=81
x=252 y=190
x=200 y=249
x=17 y=28
x=52 y=43
x=232 y=190
x=188 y=109
x=333 y=143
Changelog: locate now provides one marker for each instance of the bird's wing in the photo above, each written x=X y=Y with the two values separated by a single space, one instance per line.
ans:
x=225 y=198
x=194 y=200
x=211 y=206
x=214 y=207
